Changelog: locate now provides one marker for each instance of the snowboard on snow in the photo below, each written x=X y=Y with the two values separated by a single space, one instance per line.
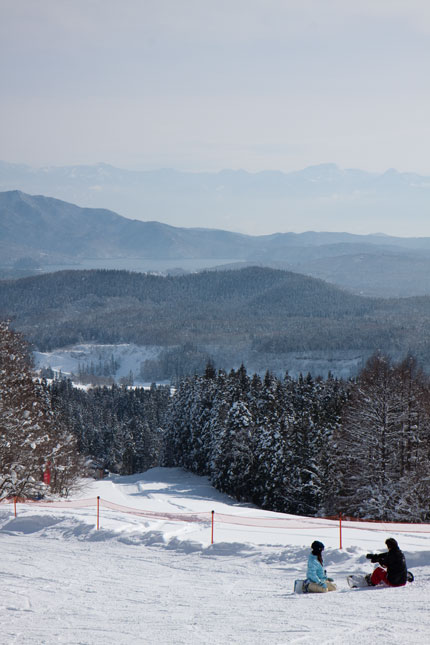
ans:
x=359 y=580
x=300 y=586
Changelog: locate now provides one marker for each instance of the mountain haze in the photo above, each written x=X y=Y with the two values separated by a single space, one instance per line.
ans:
x=42 y=227
x=325 y=197
x=39 y=233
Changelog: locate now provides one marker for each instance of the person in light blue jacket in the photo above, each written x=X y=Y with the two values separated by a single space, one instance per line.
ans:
x=316 y=576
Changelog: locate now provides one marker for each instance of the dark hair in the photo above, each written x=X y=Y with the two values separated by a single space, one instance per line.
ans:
x=317 y=549
x=391 y=543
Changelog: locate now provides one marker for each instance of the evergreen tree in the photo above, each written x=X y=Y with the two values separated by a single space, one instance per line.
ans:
x=271 y=481
x=33 y=437
x=234 y=456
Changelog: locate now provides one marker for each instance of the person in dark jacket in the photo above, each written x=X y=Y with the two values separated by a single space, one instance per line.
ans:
x=393 y=571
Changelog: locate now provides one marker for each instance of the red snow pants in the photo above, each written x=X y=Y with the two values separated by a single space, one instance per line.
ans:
x=379 y=575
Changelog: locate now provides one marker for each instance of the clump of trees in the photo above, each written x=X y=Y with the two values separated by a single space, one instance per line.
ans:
x=33 y=437
x=383 y=443
x=266 y=441
x=119 y=427
x=310 y=446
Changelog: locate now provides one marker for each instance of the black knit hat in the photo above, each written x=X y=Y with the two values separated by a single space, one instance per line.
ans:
x=317 y=547
x=391 y=543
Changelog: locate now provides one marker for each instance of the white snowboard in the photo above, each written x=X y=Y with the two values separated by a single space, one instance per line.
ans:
x=357 y=580
x=299 y=586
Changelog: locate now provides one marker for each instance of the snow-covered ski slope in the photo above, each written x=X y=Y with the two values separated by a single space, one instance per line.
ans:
x=158 y=580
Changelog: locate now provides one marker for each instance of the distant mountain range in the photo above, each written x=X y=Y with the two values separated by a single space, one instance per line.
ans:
x=326 y=197
x=39 y=234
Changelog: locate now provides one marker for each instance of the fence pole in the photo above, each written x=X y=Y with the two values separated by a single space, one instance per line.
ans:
x=98 y=512
x=340 y=531
x=14 y=505
x=212 y=530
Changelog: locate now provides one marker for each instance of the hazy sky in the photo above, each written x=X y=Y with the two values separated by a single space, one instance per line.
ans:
x=212 y=84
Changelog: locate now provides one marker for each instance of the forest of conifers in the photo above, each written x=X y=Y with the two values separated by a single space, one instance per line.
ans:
x=254 y=316
x=306 y=446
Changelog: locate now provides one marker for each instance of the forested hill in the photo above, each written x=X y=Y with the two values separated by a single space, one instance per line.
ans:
x=136 y=307
x=231 y=314
x=250 y=287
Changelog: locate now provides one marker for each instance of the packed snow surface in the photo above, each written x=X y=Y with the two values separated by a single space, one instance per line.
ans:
x=157 y=579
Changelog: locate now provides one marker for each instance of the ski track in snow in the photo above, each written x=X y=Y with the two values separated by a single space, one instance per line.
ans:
x=138 y=581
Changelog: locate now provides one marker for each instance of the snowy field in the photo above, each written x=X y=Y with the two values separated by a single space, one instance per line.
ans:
x=67 y=360
x=159 y=580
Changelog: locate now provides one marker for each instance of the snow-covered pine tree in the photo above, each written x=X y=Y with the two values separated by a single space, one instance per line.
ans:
x=204 y=393
x=332 y=399
x=233 y=460
x=66 y=464
x=32 y=435
x=299 y=464
x=178 y=438
x=272 y=477
x=312 y=413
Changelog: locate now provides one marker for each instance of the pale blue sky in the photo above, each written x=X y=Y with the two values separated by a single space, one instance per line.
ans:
x=205 y=85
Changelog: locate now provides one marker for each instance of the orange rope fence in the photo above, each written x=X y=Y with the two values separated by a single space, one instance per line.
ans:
x=290 y=522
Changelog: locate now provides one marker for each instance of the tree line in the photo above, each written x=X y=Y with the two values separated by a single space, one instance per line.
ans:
x=301 y=445
x=310 y=446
